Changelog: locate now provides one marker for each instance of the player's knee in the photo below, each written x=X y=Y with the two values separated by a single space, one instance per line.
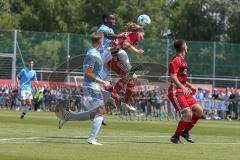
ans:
x=23 y=102
x=27 y=101
x=199 y=113
x=99 y=111
x=198 y=110
x=186 y=114
x=92 y=114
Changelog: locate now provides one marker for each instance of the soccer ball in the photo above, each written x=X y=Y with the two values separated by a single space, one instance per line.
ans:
x=143 y=20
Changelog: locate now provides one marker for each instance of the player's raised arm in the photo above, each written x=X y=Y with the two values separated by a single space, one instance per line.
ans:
x=112 y=36
x=130 y=47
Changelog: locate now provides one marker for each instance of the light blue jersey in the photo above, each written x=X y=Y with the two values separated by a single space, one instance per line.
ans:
x=26 y=76
x=93 y=59
x=106 y=42
x=106 y=55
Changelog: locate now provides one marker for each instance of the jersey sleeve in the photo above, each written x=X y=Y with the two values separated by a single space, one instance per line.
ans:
x=19 y=75
x=103 y=29
x=90 y=61
x=34 y=77
x=174 y=66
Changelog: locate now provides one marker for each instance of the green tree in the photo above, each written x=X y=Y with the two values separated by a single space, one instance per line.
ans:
x=201 y=20
x=8 y=18
x=233 y=21
x=48 y=53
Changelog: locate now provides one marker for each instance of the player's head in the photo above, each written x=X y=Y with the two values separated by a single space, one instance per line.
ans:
x=135 y=29
x=109 y=19
x=180 y=46
x=97 y=38
x=30 y=63
x=132 y=27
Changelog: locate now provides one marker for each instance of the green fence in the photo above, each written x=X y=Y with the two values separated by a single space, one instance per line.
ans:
x=210 y=59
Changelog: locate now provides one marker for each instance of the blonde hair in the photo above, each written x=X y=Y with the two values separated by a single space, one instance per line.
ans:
x=96 y=37
x=132 y=27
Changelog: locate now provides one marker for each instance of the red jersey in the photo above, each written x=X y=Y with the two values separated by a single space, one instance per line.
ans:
x=178 y=66
x=131 y=37
x=175 y=94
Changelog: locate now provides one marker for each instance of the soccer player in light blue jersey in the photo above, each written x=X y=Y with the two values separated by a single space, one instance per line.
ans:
x=23 y=83
x=108 y=23
x=92 y=88
x=108 y=50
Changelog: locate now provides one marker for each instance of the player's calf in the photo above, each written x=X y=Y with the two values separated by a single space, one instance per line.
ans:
x=96 y=125
x=26 y=106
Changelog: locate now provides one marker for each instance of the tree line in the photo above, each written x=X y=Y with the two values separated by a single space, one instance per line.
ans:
x=195 y=20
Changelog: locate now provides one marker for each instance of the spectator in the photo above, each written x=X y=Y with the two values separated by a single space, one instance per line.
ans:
x=38 y=97
x=232 y=105
x=215 y=93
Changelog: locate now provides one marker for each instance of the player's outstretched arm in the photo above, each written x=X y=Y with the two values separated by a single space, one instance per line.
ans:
x=112 y=36
x=127 y=45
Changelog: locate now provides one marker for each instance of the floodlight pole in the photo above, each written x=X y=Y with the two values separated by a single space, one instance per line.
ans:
x=214 y=64
x=167 y=57
x=68 y=57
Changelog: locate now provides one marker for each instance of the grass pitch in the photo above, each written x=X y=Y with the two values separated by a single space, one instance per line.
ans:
x=38 y=138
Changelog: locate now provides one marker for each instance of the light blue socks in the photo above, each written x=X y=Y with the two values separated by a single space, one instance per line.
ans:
x=96 y=125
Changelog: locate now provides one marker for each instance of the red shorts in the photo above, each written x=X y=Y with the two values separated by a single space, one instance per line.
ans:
x=180 y=101
x=118 y=67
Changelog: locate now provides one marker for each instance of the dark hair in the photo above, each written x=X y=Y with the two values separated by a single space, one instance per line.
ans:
x=96 y=36
x=106 y=15
x=30 y=60
x=178 y=45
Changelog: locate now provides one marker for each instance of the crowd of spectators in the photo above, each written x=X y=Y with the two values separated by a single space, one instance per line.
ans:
x=150 y=104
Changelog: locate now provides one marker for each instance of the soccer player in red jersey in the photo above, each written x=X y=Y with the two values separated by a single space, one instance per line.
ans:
x=180 y=94
x=120 y=62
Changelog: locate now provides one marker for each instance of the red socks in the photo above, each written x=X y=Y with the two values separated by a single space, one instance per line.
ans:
x=129 y=91
x=191 y=124
x=181 y=127
x=118 y=87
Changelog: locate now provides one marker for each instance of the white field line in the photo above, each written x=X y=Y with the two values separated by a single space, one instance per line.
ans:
x=120 y=136
x=160 y=142
x=165 y=143
x=165 y=136
x=23 y=138
x=23 y=142
x=125 y=136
